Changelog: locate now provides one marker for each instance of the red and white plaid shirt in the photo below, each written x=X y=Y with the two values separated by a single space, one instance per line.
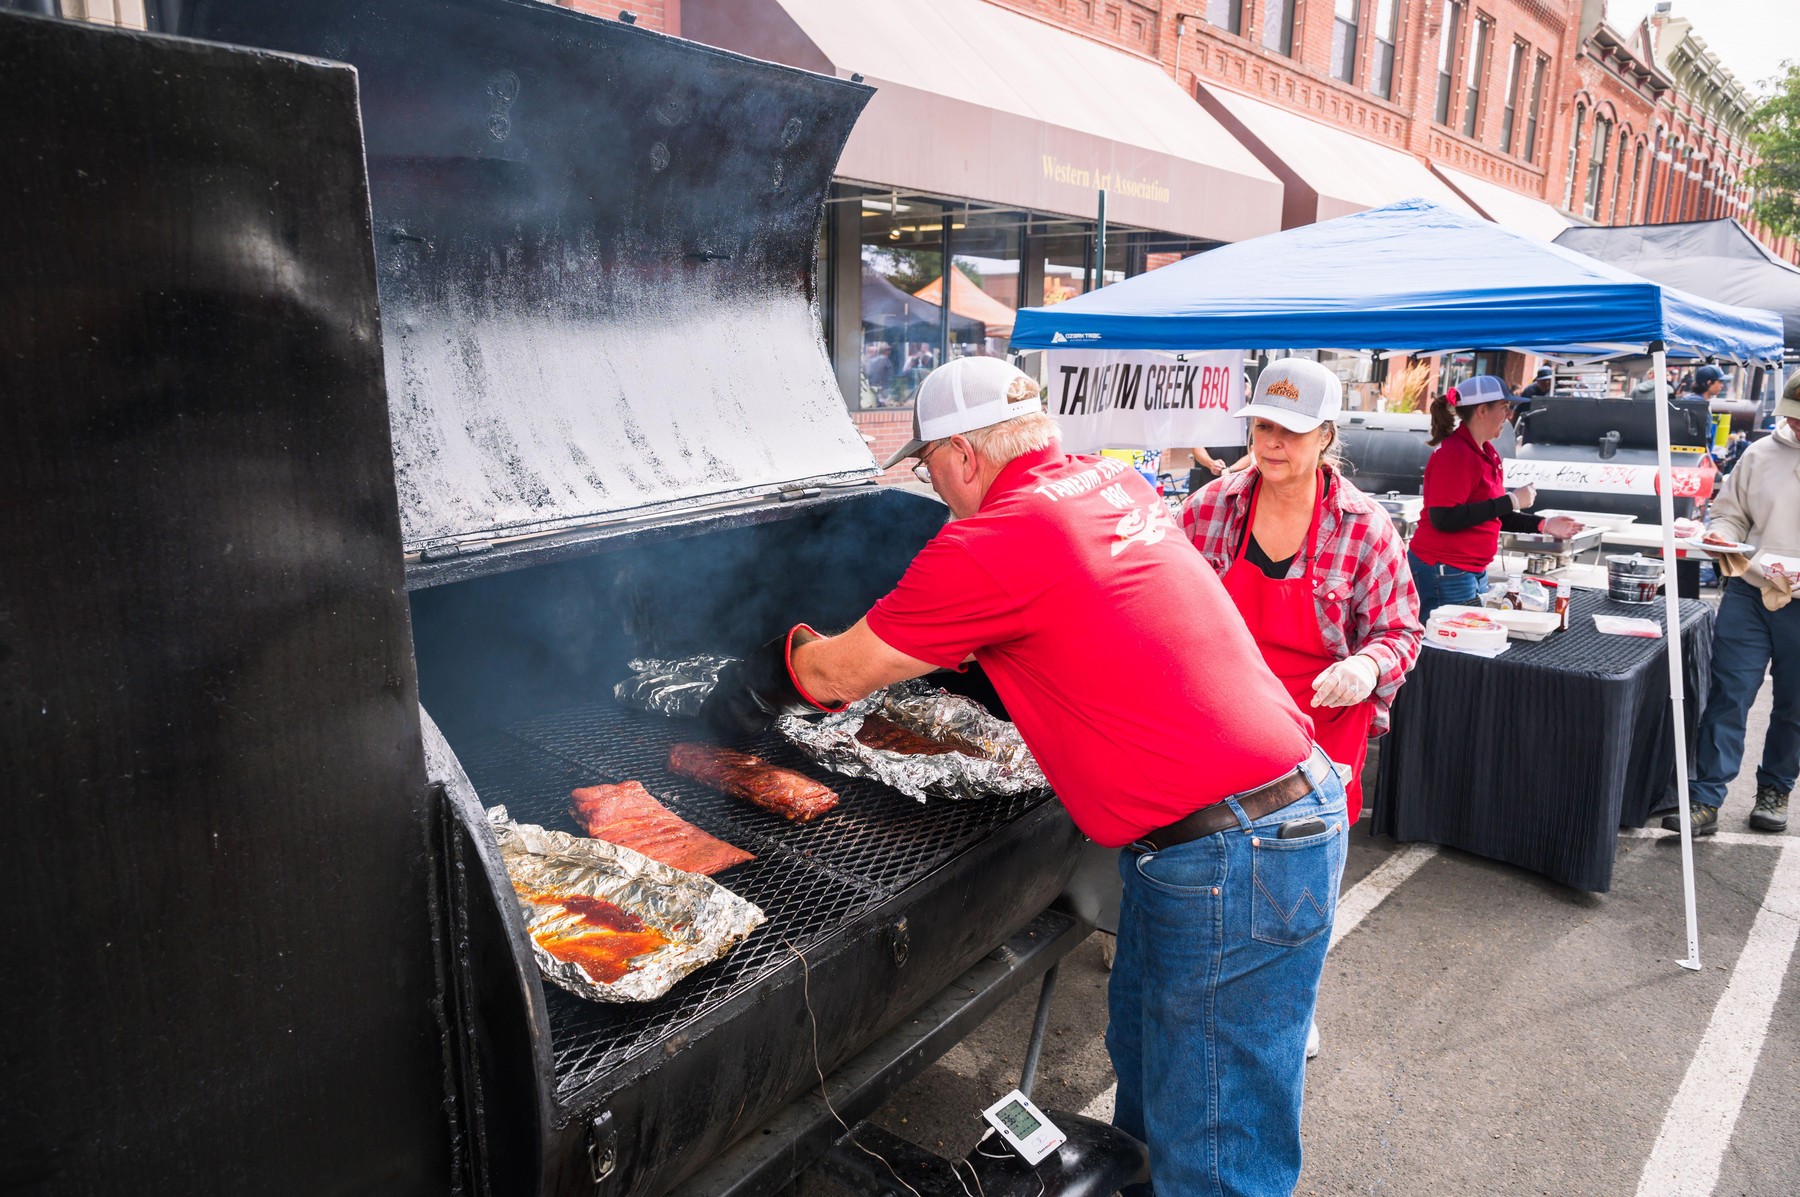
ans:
x=1362 y=589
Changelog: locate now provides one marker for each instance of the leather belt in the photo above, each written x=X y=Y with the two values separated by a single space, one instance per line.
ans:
x=1217 y=817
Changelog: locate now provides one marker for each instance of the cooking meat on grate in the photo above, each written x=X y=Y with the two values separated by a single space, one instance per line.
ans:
x=787 y=793
x=602 y=939
x=884 y=734
x=629 y=815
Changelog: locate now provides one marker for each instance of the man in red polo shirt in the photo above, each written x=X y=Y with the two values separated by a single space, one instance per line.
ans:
x=1062 y=576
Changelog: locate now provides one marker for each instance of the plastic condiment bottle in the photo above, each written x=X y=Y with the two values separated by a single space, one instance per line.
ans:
x=1561 y=605
x=1515 y=592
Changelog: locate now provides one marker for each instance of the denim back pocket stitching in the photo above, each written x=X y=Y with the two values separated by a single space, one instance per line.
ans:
x=1268 y=853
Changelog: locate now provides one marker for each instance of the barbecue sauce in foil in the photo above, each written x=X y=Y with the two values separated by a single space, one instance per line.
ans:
x=596 y=936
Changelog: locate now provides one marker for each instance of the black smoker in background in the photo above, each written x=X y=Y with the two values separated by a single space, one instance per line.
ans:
x=293 y=448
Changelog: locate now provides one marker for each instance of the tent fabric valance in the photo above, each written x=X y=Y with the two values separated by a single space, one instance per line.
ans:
x=1410 y=275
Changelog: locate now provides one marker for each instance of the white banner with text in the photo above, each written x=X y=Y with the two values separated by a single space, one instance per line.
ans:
x=1144 y=399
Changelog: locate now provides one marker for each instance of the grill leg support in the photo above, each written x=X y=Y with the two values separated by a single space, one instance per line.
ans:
x=1038 y=1026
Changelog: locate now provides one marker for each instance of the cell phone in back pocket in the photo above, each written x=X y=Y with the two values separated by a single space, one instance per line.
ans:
x=1299 y=829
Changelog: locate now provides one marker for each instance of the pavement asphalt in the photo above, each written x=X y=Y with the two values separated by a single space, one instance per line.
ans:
x=1487 y=1031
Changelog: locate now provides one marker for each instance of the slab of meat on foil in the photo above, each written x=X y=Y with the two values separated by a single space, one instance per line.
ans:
x=789 y=794
x=884 y=734
x=629 y=815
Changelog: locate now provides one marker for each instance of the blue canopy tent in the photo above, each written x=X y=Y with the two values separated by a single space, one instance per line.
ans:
x=1416 y=277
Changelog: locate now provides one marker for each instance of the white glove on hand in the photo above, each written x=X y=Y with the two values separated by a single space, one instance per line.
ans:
x=1524 y=496
x=1347 y=682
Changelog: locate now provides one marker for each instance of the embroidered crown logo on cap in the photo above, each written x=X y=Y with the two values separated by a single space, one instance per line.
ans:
x=1297 y=394
x=966 y=394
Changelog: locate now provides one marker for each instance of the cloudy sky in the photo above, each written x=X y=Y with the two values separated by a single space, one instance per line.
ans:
x=1752 y=37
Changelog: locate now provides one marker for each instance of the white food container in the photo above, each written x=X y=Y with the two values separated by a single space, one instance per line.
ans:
x=1519 y=625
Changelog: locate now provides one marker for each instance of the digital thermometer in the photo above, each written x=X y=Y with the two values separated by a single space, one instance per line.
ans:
x=1024 y=1127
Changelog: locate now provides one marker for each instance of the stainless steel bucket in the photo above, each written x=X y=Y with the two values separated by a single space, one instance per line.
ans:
x=1633 y=579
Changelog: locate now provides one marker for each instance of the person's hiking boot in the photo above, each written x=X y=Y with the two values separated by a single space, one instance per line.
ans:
x=1771 y=810
x=1705 y=819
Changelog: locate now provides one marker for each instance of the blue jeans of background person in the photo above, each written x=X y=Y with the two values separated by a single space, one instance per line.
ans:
x=1221 y=942
x=1439 y=585
x=1747 y=639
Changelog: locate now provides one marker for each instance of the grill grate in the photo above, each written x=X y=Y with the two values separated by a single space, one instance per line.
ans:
x=808 y=878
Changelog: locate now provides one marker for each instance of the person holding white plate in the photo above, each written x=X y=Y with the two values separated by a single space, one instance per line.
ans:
x=1758 y=631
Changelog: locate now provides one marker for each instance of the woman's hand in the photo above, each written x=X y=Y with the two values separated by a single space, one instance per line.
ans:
x=1346 y=682
x=1561 y=526
x=1524 y=497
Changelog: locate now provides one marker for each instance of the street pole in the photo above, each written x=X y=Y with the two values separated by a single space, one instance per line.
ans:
x=1665 y=495
x=1100 y=244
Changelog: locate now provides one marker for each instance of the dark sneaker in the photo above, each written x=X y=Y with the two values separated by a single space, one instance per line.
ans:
x=1771 y=810
x=1704 y=818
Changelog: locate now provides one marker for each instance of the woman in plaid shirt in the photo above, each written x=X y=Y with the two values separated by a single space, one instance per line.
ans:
x=1313 y=564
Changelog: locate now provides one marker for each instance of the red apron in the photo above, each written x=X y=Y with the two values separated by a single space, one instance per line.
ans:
x=1285 y=625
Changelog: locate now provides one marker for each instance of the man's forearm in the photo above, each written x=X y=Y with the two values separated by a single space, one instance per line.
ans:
x=851 y=665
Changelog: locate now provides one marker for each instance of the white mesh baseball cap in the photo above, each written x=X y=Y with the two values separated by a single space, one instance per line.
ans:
x=1483 y=388
x=1297 y=394
x=966 y=394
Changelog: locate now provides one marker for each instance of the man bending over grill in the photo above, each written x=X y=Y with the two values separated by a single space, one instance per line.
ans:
x=1055 y=570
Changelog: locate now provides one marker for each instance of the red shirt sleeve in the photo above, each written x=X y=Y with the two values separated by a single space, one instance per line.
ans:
x=945 y=607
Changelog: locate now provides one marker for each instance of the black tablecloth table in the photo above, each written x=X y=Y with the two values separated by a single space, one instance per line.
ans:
x=1537 y=757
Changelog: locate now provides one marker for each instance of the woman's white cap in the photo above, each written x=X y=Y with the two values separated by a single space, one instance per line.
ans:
x=1297 y=394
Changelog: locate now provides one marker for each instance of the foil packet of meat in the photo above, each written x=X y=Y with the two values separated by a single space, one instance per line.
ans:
x=610 y=924
x=923 y=741
x=675 y=687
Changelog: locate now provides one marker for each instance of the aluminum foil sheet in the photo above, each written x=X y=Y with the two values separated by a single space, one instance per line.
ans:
x=1002 y=764
x=648 y=923
x=671 y=687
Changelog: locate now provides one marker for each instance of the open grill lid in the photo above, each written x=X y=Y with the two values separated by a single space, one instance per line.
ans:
x=596 y=257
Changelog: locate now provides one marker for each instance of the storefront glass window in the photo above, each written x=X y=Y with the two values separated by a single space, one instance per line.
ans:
x=985 y=285
x=903 y=334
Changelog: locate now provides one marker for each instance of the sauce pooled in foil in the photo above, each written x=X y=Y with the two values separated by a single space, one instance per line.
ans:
x=593 y=934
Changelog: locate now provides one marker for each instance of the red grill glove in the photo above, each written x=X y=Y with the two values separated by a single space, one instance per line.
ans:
x=761 y=688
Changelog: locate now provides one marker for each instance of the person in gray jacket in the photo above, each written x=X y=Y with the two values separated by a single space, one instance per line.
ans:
x=1758 y=630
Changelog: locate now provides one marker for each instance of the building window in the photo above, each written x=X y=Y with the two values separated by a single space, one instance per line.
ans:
x=1446 y=82
x=1656 y=150
x=1343 y=40
x=1226 y=14
x=1531 y=113
x=1671 y=187
x=1381 y=64
x=1637 y=176
x=1514 y=81
x=1596 y=173
x=1278 y=26
x=1618 y=183
x=1473 y=77
x=1574 y=156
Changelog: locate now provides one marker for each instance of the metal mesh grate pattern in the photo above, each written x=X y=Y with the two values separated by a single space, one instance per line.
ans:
x=808 y=878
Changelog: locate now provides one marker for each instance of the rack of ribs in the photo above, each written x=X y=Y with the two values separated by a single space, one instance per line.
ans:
x=789 y=794
x=629 y=815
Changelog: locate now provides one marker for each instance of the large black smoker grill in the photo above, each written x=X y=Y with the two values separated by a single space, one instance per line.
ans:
x=250 y=944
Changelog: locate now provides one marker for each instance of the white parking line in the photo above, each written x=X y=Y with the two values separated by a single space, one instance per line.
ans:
x=1696 y=1131
x=1354 y=905
x=1737 y=839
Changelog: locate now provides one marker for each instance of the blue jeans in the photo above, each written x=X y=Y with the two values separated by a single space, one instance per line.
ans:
x=1221 y=942
x=1747 y=638
x=1445 y=584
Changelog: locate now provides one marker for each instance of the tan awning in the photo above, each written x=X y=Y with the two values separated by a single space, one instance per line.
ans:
x=975 y=101
x=1506 y=207
x=1327 y=171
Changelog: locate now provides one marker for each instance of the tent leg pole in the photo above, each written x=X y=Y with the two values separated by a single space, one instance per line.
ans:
x=1665 y=478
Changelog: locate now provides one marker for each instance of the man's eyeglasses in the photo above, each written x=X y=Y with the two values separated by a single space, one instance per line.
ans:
x=920 y=471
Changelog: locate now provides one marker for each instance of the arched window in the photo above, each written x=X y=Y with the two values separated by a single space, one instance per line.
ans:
x=1618 y=179
x=1574 y=154
x=1656 y=149
x=1672 y=189
x=1637 y=175
x=1596 y=172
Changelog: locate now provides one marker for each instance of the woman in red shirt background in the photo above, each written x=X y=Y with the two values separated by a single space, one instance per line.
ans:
x=1466 y=500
